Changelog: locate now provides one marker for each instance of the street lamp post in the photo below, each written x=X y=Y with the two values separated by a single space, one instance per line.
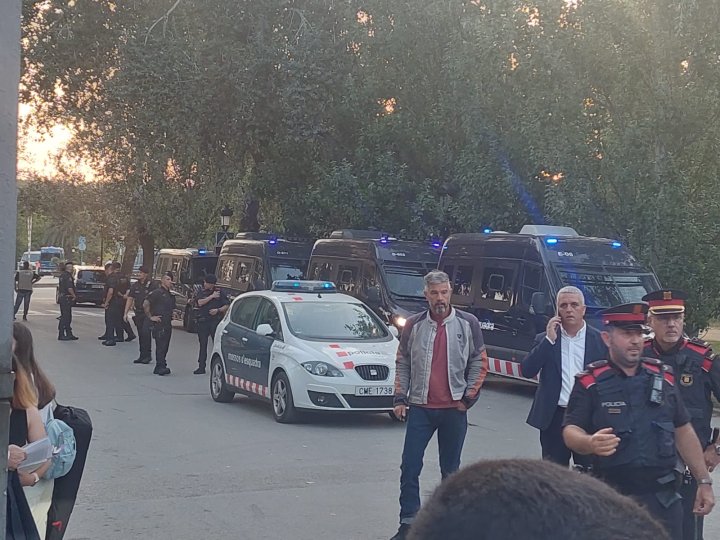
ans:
x=225 y=214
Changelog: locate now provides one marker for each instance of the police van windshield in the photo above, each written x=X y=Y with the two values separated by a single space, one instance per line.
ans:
x=201 y=267
x=48 y=254
x=333 y=321
x=287 y=269
x=405 y=281
x=605 y=287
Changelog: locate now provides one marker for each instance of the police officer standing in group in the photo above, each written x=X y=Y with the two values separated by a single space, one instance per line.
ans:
x=135 y=298
x=122 y=293
x=113 y=328
x=66 y=289
x=159 y=306
x=212 y=303
x=697 y=373
x=626 y=411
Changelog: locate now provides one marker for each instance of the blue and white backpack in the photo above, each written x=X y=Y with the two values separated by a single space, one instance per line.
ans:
x=62 y=440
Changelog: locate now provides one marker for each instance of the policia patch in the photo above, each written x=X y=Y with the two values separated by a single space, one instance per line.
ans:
x=686 y=379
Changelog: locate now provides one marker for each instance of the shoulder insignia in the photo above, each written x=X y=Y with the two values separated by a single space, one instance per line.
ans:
x=595 y=365
x=708 y=362
x=586 y=379
x=699 y=346
x=653 y=363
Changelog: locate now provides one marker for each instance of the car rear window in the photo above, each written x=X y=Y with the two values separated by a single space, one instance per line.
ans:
x=91 y=276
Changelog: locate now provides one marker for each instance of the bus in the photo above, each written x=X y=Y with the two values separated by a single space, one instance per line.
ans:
x=50 y=257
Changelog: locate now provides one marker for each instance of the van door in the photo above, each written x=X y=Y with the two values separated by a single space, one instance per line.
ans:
x=348 y=279
x=530 y=324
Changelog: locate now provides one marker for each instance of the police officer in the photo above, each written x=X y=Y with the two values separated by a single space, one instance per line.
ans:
x=159 y=306
x=626 y=411
x=113 y=328
x=212 y=304
x=67 y=298
x=697 y=372
x=135 y=298
x=122 y=293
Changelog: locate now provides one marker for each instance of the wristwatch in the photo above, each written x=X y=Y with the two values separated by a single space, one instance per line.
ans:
x=717 y=449
x=707 y=481
x=36 y=478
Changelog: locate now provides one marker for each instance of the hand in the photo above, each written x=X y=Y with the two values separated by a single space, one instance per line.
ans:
x=26 y=479
x=553 y=326
x=16 y=456
x=126 y=318
x=711 y=458
x=604 y=442
x=156 y=318
x=216 y=294
x=461 y=407
x=213 y=312
x=704 y=500
x=400 y=412
x=105 y=305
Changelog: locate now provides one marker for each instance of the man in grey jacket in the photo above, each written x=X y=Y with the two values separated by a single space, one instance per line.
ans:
x=441 y=365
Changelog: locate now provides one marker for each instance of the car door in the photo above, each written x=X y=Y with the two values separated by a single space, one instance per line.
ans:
x=260 y=346
x=236 y=338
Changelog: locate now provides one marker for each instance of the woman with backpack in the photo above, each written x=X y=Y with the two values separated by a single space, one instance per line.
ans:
x=39 y=494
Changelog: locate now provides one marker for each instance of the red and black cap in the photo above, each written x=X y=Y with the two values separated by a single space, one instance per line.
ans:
x=666 y=301
x=629 y=316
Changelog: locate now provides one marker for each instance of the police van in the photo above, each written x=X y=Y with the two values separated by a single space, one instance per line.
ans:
x=382 y=271
x=510 y=282
x=254 y=260
x=189 y=266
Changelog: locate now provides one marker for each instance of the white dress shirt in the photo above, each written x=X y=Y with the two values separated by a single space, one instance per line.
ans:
x=573 y=361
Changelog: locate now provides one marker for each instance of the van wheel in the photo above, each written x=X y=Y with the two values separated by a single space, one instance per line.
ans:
x=189 y=321
x=218 y=390
x=284 y=409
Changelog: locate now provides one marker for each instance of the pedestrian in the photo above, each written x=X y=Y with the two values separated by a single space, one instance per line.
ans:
x=697 y=371
x=24 y=281
x=126 y=333
x=159 y=307
x=560 y=353
x=212 y=304
x=113 y=308
x=66 y=292
x=135 y=298
x=440 y=367
x=626 y=411
x=513 y=499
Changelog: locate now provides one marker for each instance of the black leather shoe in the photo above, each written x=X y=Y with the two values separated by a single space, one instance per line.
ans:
x=102 y=338
x=64 y=338
x=120 y=340
x=24 y=317
x=130 y=338
x=162 y=371
x=140 y=360
x=72 y=337
x=109 y=343
x=402 y=533
x=199 y=371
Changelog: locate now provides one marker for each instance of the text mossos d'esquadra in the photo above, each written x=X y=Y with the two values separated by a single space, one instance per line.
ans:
x=250 y=362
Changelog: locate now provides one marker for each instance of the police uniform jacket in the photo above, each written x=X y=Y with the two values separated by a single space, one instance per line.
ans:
x=215 y=303
x=112 y=282
x=66 y=283
x=697 y=372
x=139 y=291
x=162 y=303
x=603 y=396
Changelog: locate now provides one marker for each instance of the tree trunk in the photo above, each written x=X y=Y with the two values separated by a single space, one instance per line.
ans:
x=249 y=221
x=147 y=242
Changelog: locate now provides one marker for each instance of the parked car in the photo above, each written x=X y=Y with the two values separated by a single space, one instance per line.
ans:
x=89 y=285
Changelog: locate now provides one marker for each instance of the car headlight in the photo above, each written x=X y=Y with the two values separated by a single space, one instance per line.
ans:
x=400 y=321
x=322 y=369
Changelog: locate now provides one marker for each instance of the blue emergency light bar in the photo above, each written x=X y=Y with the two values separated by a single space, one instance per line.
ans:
x=615 y=244
x=290 y=285
x=551 y=241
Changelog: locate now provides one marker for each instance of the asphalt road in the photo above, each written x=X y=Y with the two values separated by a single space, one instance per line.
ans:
x=167 y=462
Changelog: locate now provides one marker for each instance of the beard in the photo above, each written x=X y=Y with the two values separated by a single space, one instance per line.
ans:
x=440 y=308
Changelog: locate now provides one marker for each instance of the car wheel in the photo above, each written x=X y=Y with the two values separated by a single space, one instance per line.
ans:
x=189 y=321
x=218 y=390
x=284 y=409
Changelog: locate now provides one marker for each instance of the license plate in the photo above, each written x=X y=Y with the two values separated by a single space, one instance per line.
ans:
x=96 y=286
x=374 y=390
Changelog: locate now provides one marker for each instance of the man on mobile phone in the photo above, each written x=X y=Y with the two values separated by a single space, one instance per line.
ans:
x=562 y=351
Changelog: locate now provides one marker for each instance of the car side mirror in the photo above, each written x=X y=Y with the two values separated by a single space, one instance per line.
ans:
x=537 y=303
x=394 y=331
x=265 y=330
x=373 y=296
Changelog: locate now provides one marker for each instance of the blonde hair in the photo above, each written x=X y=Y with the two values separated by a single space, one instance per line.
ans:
x=24 y=393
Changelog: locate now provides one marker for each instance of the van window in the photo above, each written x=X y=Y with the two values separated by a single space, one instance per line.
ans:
x=496 y=285
x=226 y=270
x=176 y=265
x=369 y=276
x=243 y=272
x=462 y=281
x=322 y=271
x=347 y=280
x=532 y=282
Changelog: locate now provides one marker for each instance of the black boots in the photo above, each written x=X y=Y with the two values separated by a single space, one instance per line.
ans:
x=161 y=370
x=200 y=370
x=142 y=360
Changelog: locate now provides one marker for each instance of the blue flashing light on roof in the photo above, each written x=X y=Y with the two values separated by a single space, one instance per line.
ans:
x=437 y=244
x=202 y=251
x=384 y=239
x=615 y=244
x=273 y=240
x=551 y=241
x=487 y=230
x=294 y=286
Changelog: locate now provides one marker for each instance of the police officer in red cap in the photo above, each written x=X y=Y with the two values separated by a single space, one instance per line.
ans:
x=627 y=413
x=697 y=373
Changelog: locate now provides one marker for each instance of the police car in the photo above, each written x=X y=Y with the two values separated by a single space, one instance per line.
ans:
x=304 y=346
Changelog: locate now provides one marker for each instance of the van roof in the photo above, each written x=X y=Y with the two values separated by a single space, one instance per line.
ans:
x=385 y=250
x=271 y=247
x=182 y=252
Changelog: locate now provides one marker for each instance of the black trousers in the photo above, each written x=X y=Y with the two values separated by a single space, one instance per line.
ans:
x=205 y=330
x=670 y=517
x=114 y=320
x=692 y=524
x=162 y=334
x=553 y=445
x=127 y=327
x=65 y=316
x=20 y=298
x=144 y=338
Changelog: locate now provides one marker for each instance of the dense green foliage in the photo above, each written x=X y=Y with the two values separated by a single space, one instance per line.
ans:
x=420 y=117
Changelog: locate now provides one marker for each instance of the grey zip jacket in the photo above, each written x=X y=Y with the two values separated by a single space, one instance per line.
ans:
x=467 y=358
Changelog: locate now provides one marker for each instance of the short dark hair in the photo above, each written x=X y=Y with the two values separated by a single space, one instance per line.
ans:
x=170 y=275
x=210 y=278
x=26 y=265
x=108 y=264
x=143 y=269
x=117 y=265
x=68 y=262
x=518 y=499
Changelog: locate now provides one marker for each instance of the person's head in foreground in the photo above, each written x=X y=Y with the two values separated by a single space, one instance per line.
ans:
x=530 y=500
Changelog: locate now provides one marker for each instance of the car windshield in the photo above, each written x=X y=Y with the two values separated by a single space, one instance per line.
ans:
x=333 y=321
x=49 y=255
x=33 y=257
x=405 y=280
x=91 y=276
x=604 y=287
x=287 y=270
